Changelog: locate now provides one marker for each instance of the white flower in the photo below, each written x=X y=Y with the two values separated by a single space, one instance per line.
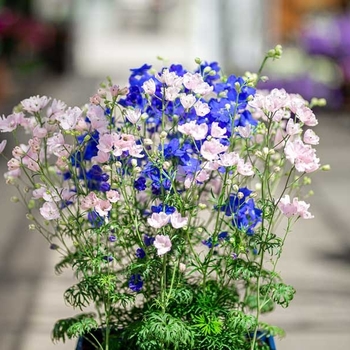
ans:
x=163 y=244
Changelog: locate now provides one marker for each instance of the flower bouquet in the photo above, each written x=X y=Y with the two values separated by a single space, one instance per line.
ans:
x=163 y=197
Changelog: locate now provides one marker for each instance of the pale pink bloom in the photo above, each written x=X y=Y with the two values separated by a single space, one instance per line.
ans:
x=302 y=156
x=113 y=196
x=281 y=114
x=57 y=107
x=13 y=164
x=125 y=141
x=228 y=159
x=102 y=157
x=286 y=207
x=106 y=142
x=302 y=209
x=158 y=220
x=177 y=221
x=310 y=137
x=39 y=132
x=191 y=81
x=89 y=201
x=293 y=128
x=133 y=115
x=211 y=149
x=49 y=211
x=68 y=195
x=10 y=123
x=31 y=164
x=2 y=145
x=35 y=103
x=277 y=99
x=307 y=116
x=19 y=151
x=296 y=102
x=55 y=142
x=52 y=194
x=95 y=99
x=69 y=118
x=294 y=208
x=39 y=192
x=163 y=244
x=245 y=169
x=188 y=181
x=245 y=131
x=103 y=207
x=149 y=87
x=203 y=89
x=136 y=151
x=187 y=100
x=97 y=118
x=170 y=78
x=202 y=176
x=198 y=132
x=216 y=131
x=201 y=108
x=171 y=93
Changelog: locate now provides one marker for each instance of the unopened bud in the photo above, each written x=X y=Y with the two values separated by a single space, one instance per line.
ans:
x=29 y=216
x=207 y=69
x=144 y=116
x=133 y=162
x=14 y=199
x=258 y=186
x=166 y=165
x=198 y=60
x=31 y=204
x=326 y=167
x=202 y=206
x=235 y=188
x=31 y=227
x=148 y=142
x=118 y=164
x=163 y=135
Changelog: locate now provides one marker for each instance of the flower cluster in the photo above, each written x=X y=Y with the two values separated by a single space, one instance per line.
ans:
x=174 y=183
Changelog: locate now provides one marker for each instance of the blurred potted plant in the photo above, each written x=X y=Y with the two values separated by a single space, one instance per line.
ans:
x=164 y=198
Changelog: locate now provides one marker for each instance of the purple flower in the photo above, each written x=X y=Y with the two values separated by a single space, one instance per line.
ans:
x=140 y=253
x=148 y=240
x=135 y=283
x=107 y=258
x=112 y=238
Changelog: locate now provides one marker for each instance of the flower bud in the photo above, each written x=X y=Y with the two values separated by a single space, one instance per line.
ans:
x=29 y=216
x=258 y=186
x=31 y=227
x=235 y=188
x=166 y=165
x=148 y=142
x=202 y=206
x=133 y=162
x=163 y=135
x=144 y=116
x=182 y=267
x=198 y=60
x=31 y=204
x=326 y=167
x=14 y=199
x=207 y=69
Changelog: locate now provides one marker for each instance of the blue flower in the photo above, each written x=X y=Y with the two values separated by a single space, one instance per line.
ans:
x=148 y=240
x=95 y=219
x=160 y=208
x=140 y=253
x=107 y=258
x=221 y=236
x=247 y=217
x=140 y=183
x=135 y=283
x=235 y=202
x=112 y=238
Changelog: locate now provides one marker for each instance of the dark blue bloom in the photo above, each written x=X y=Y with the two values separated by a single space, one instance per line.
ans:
x=221 y=236
x=107 y=258
x=140 y=183
x=247 y=217
x=141 y=70
x=148 y=240
x=160 y=208
x=235 y=202
x=140 y=253
x=135 y=283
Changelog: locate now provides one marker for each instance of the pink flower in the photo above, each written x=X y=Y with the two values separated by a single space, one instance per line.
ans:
x=191 y=81
x=89 y=201
x=216 y=131
x=39 y=132
x=177 y=221
x=103 y=207
x=55 y=142
x=149 y=86
x=245 y=169
x=294 y=208
x=133 y=115
x=187 y=100
x=10 y=123
x=307 y=116
x=158 y=220
x=113 y=196
x=69 y=118
x=102 y=157
x=49 y=211
x=2 y=145
x=57 y=107
x=310 y=137
x=292 y=128
x=203 y=89
x=302 y=156
x=245 y=131
x=13 y=164
x=201 y=108
x=228 y=159
x=198 y=132
x=163 y=244
x=35 y=103
x=170 y=78
x=171 y=93
x=211 y=149
x=97 y=118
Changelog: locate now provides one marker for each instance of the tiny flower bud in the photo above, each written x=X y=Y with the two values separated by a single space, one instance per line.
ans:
x=106 y=168
x=166 y=165
x=137 y=170
x=163 y=135
x=148 y=142
x=86 y=138
x=326 y=167
x=200 y=229
x=235 y=188
x=198 y=60
x=31 y=204
x=237 y=86
x=182 y=267
x=202 y=206
x=14 y=199
x=259 y=154
x=258 y=186
x=265 y=151
x=29 y=216
x=118 y=164
x=144 y=116
x=133 y=162
x=31 y=227
x=212 y=73
x=207 y=69
x=101 y=92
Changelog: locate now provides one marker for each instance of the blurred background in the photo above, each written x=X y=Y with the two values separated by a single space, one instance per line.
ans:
x=65 y=48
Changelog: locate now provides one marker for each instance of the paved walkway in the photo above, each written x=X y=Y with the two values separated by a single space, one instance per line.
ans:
x=316 y=259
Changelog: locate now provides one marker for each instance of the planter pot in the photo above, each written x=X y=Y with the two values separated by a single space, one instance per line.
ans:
x=85 y=344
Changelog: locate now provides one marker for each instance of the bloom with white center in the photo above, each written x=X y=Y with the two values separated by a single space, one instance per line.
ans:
x=35 y=103
x=187 y=100
x=310 y=137
x=163 y=244
x=149 y=86
x=69 y=118
x=50 y=211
